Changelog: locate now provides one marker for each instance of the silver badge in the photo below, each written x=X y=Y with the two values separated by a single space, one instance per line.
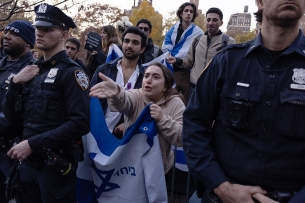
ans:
x=42 y=8
x=51 y=76
x=52 y=73
x=299 y=76
x=82 y=79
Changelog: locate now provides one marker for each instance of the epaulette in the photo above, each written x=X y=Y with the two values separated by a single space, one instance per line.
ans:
x=69 y=61
x=236 y=46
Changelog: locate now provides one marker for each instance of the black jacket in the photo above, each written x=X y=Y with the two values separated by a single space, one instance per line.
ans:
x=245 y=120
x=6 y=72
x=148 y=54
x=55 y=104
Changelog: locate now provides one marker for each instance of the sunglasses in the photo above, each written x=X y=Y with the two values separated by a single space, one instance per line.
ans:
x=144 y=28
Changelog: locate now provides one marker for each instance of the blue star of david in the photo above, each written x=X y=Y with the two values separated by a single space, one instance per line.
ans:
x=106 y=186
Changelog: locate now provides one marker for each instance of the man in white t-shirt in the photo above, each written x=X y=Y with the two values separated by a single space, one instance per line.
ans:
x=126 y=71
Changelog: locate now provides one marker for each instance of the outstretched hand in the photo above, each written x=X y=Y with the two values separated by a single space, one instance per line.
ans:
x=106 y=89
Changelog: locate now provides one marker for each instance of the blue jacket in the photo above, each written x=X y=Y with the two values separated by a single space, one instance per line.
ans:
x=245 y=119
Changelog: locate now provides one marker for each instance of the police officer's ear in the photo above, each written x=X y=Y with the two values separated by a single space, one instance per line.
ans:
x=65 y=35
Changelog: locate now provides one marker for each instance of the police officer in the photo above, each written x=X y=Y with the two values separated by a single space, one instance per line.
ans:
x=243 y=128
x=18 y=39
x=52 y=98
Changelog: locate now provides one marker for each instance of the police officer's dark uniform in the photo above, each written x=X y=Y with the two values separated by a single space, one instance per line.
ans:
x=8 y=131
x=256 y=98
x=55 y=111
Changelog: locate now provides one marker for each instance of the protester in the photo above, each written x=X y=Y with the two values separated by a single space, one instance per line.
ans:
x=166 y=105
x=51 y=97
x=97 y=58
x=151 y=51
x=72 y=47
x=178 y=40
x=127 y=72
x=18 y=39
x=243 y=131
x=109 y=37
x=35 y=54
x=204 y=47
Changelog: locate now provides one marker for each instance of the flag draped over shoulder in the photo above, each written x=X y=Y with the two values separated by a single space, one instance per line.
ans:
x=160 y=59
x=181 y=48
x=122 y=171
x=114 y=52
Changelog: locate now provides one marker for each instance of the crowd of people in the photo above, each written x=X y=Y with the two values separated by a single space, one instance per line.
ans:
x=236 y=109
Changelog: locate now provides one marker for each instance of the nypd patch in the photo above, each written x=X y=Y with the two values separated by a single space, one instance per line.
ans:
x=82 y=79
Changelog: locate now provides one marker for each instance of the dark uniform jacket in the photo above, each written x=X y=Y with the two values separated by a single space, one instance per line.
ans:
x=55 y=104
x=6 y=72
x=111 y=71
x=148 y=54
x=82 y=66
x=257 y=100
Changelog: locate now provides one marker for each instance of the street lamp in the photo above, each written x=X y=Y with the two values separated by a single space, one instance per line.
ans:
x=123 y=24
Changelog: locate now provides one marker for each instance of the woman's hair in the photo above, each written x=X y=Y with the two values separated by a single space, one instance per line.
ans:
x=112 y=37
x=168 y=83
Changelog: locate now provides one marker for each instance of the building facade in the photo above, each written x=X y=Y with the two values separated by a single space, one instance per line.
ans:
x=240 y=21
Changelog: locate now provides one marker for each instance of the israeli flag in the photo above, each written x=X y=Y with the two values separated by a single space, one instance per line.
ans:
x=114 y=52
x=122 y=171
x=180 y=158
x=160 y=59
x=181 y=48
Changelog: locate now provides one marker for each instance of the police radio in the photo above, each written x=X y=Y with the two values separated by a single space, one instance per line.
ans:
x=58 y=163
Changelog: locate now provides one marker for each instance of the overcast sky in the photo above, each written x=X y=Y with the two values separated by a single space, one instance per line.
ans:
x=228 y=7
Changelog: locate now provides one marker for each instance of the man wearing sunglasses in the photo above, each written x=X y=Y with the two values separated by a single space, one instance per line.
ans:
x=152 y=51
x=204 y=47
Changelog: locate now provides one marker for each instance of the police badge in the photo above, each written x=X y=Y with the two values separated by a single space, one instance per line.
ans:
x=82 y=79
x=299 y=78
x=51 y=76
x=42 y=8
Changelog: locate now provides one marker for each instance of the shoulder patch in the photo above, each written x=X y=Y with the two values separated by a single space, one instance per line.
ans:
x=82 y=79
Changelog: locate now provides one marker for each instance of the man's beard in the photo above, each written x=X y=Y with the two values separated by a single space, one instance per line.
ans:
x=15 y=51
x=131 y=57
x=285 y=21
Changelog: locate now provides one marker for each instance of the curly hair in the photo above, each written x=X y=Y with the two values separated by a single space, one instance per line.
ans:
x=182 y=7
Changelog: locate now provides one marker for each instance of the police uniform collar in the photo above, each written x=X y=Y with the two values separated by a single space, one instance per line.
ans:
x=257 y=42
x=57 y=58
x=298 y=45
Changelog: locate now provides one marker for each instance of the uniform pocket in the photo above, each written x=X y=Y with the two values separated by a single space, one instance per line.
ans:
x=290 y=118
x=237 y=106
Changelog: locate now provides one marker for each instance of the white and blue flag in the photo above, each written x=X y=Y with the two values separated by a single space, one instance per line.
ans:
x=121 y=171
x=181 y=48
x=160 y=59
x=114 y=52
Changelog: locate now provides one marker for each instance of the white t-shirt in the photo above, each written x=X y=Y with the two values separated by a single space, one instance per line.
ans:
x=112 y=118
